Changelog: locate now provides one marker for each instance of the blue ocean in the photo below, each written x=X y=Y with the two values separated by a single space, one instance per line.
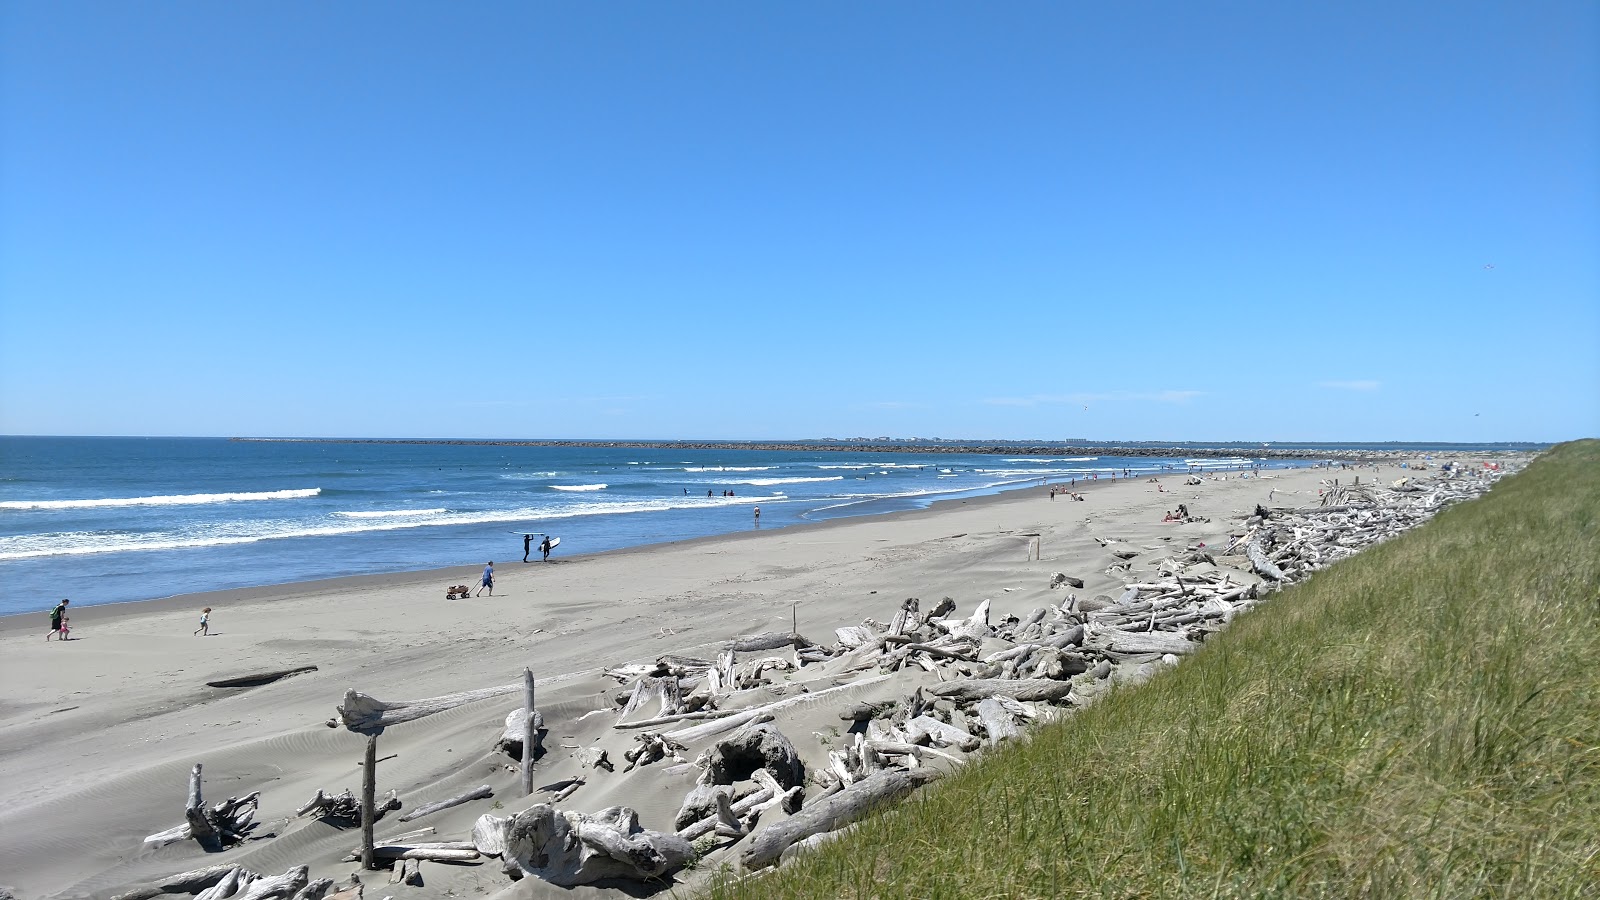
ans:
x=104 y=520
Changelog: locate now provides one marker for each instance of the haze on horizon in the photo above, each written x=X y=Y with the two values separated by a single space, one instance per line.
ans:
x=1248 y=222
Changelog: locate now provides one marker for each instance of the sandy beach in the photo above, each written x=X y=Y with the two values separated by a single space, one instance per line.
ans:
x=97 y=736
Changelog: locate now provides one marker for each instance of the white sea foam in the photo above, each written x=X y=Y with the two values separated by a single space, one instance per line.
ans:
x=1051 y=459
x=579 y=487
x=729 y=468
x=765 y=482
x=388 y=513
x=224 y=534
x=873 y=466
x=170 y=500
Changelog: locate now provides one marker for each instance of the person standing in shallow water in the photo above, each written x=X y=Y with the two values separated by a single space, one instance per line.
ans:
x=488 y=580
x=527 y=540
x=544 y=547
x=56 y=615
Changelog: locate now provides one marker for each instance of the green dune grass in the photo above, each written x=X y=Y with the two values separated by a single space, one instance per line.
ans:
x=1420 y=721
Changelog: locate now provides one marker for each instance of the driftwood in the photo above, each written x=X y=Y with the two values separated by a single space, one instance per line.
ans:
x=663 y=689
x=762 y=746
x=1259 y=562
x=191 y=882
x=928 y=728
x=770 y=640
x=571 y=848
x=481 y=792
x=364 y=713
x=718 y=726
x=215 y=827
x=510 y=741
x=1022 y=689
x=831 y=813
x=346 y=808
x=997 y=722
x=279 y=886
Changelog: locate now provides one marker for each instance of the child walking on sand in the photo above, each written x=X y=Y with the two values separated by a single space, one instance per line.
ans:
x=66 y=630
x=205 y=623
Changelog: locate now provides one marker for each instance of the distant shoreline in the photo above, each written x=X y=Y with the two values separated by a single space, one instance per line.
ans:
x=838 y=446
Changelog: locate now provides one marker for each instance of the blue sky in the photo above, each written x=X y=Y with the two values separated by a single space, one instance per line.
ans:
x=1180 y=221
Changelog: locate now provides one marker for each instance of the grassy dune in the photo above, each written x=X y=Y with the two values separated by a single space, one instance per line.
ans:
x=1420 y=721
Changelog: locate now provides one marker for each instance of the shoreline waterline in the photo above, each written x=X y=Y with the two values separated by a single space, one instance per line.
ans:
x=470 y=572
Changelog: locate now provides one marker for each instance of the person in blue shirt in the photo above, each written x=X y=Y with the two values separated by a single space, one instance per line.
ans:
x=488 y=580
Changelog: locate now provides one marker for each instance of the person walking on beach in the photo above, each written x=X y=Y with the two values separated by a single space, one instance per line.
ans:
x=527 y=540
x=66 y=630
x=488 y=580
x=205 y=623
x=544 y=547
x=57 y=616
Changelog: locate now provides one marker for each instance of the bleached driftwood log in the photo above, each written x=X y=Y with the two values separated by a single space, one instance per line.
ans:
x=770 y=640
x=1258 y=559
x=511 y=738
x=1016 y=689
x=718 y=726
x=997 y=721
x=361 y=712
x=753 y=747
x=662 y=689
x=214 y=827
x=569 y=848
x=191 y=882
x=832 y=813
x=345 y=807
x=279 y=886
x=481 y=792
x=927 y=728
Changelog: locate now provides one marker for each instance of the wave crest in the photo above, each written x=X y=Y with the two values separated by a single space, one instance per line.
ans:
x=170 y=500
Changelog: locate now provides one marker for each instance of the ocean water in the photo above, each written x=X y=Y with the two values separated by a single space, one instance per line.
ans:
x=104 y=520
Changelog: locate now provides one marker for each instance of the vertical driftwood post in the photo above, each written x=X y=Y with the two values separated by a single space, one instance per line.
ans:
x=369 y=803
x=528 y=734
x=195 y=813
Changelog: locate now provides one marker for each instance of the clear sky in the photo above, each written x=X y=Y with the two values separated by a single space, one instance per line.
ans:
x=1144 y=220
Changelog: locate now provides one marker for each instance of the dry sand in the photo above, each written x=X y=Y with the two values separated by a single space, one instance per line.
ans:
x=97 y=735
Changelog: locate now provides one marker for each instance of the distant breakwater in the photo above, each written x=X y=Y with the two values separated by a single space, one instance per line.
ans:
x=1191 y=451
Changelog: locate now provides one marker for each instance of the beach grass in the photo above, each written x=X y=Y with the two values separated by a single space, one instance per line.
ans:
x=1422 y=720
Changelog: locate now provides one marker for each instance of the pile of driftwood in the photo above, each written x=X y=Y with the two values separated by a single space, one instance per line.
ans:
x=1285 y=545
x=918 y=695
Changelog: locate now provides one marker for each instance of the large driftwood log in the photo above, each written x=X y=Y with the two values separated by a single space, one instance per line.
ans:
x=201 y=828
x=361 y=712
x=345 y=808
x=663 y=689
x=761 y=746
x=510 y=741
x=718 y=726
x=832 y=813
x=191 y=882
x=571 y=848
x=481 y=792
x=214 y=827
x=770 y=640
x=928 y=728
x=997 y=722
x=1259 y=563
x=1019 y=689
x=279 y=886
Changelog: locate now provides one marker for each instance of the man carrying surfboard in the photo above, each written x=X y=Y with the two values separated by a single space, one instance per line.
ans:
x=526 y=540
x=544 y=547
